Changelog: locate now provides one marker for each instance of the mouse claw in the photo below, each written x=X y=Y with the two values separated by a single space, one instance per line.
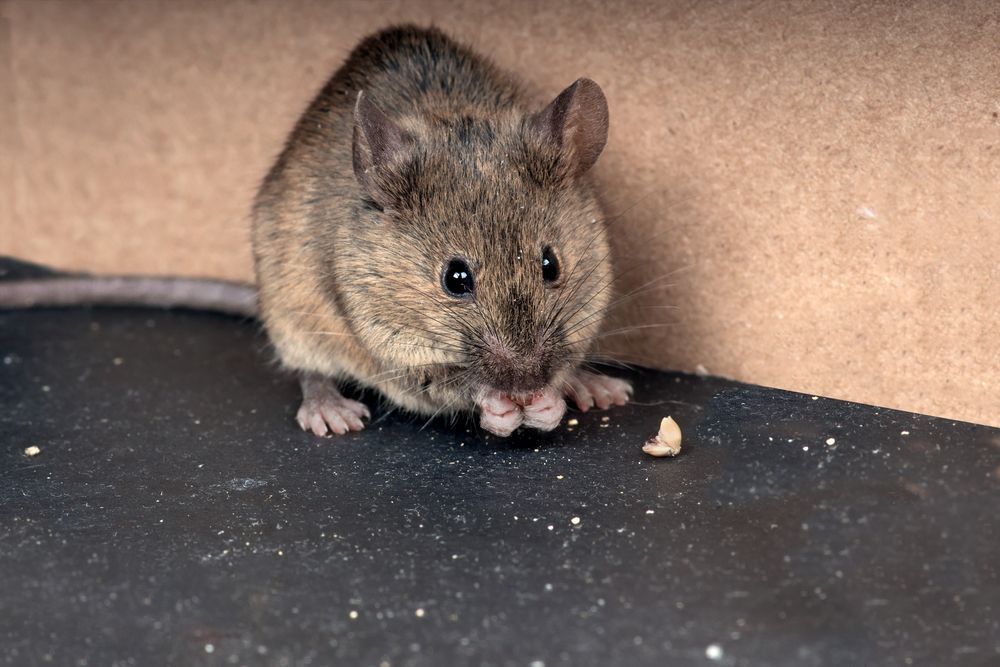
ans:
x=500 y=415
x=545 y=411
x=587 y=390
x=324 y=411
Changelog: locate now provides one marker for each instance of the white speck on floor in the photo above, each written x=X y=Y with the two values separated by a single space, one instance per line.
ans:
x=831 y=441
x=419 y=613
x=713 y=652
x=352 y=614
x=209 y=648
x=904 y=433
x=33 y=450
x=575 y=521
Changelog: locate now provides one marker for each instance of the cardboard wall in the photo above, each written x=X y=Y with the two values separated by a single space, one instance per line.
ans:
x=814 y=184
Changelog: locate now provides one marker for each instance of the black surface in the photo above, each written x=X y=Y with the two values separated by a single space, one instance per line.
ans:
x=176 y=515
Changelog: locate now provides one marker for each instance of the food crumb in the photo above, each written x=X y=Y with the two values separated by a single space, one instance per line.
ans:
x=831 y=441
x=649 y=511
x=575 y=521
x=33 y=450
x=667 y=442
x=713 y=652
x=352 y=614
x=118 y=361
x=559 y=476
x=605 y=419
x=904 y=433
x=573 y=422
x=419 y=613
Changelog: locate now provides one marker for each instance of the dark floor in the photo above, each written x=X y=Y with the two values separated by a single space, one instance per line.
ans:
x=177 y=515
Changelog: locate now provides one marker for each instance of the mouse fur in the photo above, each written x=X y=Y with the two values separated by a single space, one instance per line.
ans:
x=418 y=151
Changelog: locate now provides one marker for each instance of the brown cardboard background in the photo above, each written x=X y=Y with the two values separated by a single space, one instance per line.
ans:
x=819 y=180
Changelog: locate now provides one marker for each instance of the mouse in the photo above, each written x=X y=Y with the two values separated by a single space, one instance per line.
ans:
x=430 y=231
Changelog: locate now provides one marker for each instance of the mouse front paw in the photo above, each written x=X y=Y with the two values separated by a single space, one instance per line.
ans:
x=500 y=415
x=588 y=389
x=545 y=410
x=325 y=411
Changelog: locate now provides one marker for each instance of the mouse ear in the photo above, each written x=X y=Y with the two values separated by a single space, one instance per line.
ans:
x=576 y=123
x=379 y=144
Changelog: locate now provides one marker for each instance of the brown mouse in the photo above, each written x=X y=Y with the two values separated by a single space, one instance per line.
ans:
x=430 y=232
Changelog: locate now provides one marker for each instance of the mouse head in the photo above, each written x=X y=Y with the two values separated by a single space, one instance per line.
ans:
x=484 y=245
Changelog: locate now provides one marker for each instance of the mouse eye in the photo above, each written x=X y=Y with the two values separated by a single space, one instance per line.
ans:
x=457 y=278
x=550 y=265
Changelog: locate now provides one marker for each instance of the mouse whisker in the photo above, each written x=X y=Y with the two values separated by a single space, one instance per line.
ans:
x=381 y=418
x=595 y=315
x=656 y=282
x=434 y=336
x=401 y=369
x=555 y=318
x=620 y=276
x=449 y=325
x=591 y=363
x=444 y=407
x=592 y=319
x=457 y=379
x=645 y=287
x=614 y=218
x=329 y=333
x=630 y=329
x=569 y=294
x=621 y=360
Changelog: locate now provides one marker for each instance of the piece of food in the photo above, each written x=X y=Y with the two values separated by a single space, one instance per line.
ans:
x=34 y=450
x=667 y=442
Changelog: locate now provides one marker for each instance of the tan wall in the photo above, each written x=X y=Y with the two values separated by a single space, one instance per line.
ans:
x=818 y=179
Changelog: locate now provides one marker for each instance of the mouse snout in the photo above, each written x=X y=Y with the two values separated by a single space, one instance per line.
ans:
x=515 y=368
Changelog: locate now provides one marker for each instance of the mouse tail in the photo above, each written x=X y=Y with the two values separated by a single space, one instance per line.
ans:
x=220 y=296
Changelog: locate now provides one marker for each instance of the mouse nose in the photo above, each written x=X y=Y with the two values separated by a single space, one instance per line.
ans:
x=506 y=368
